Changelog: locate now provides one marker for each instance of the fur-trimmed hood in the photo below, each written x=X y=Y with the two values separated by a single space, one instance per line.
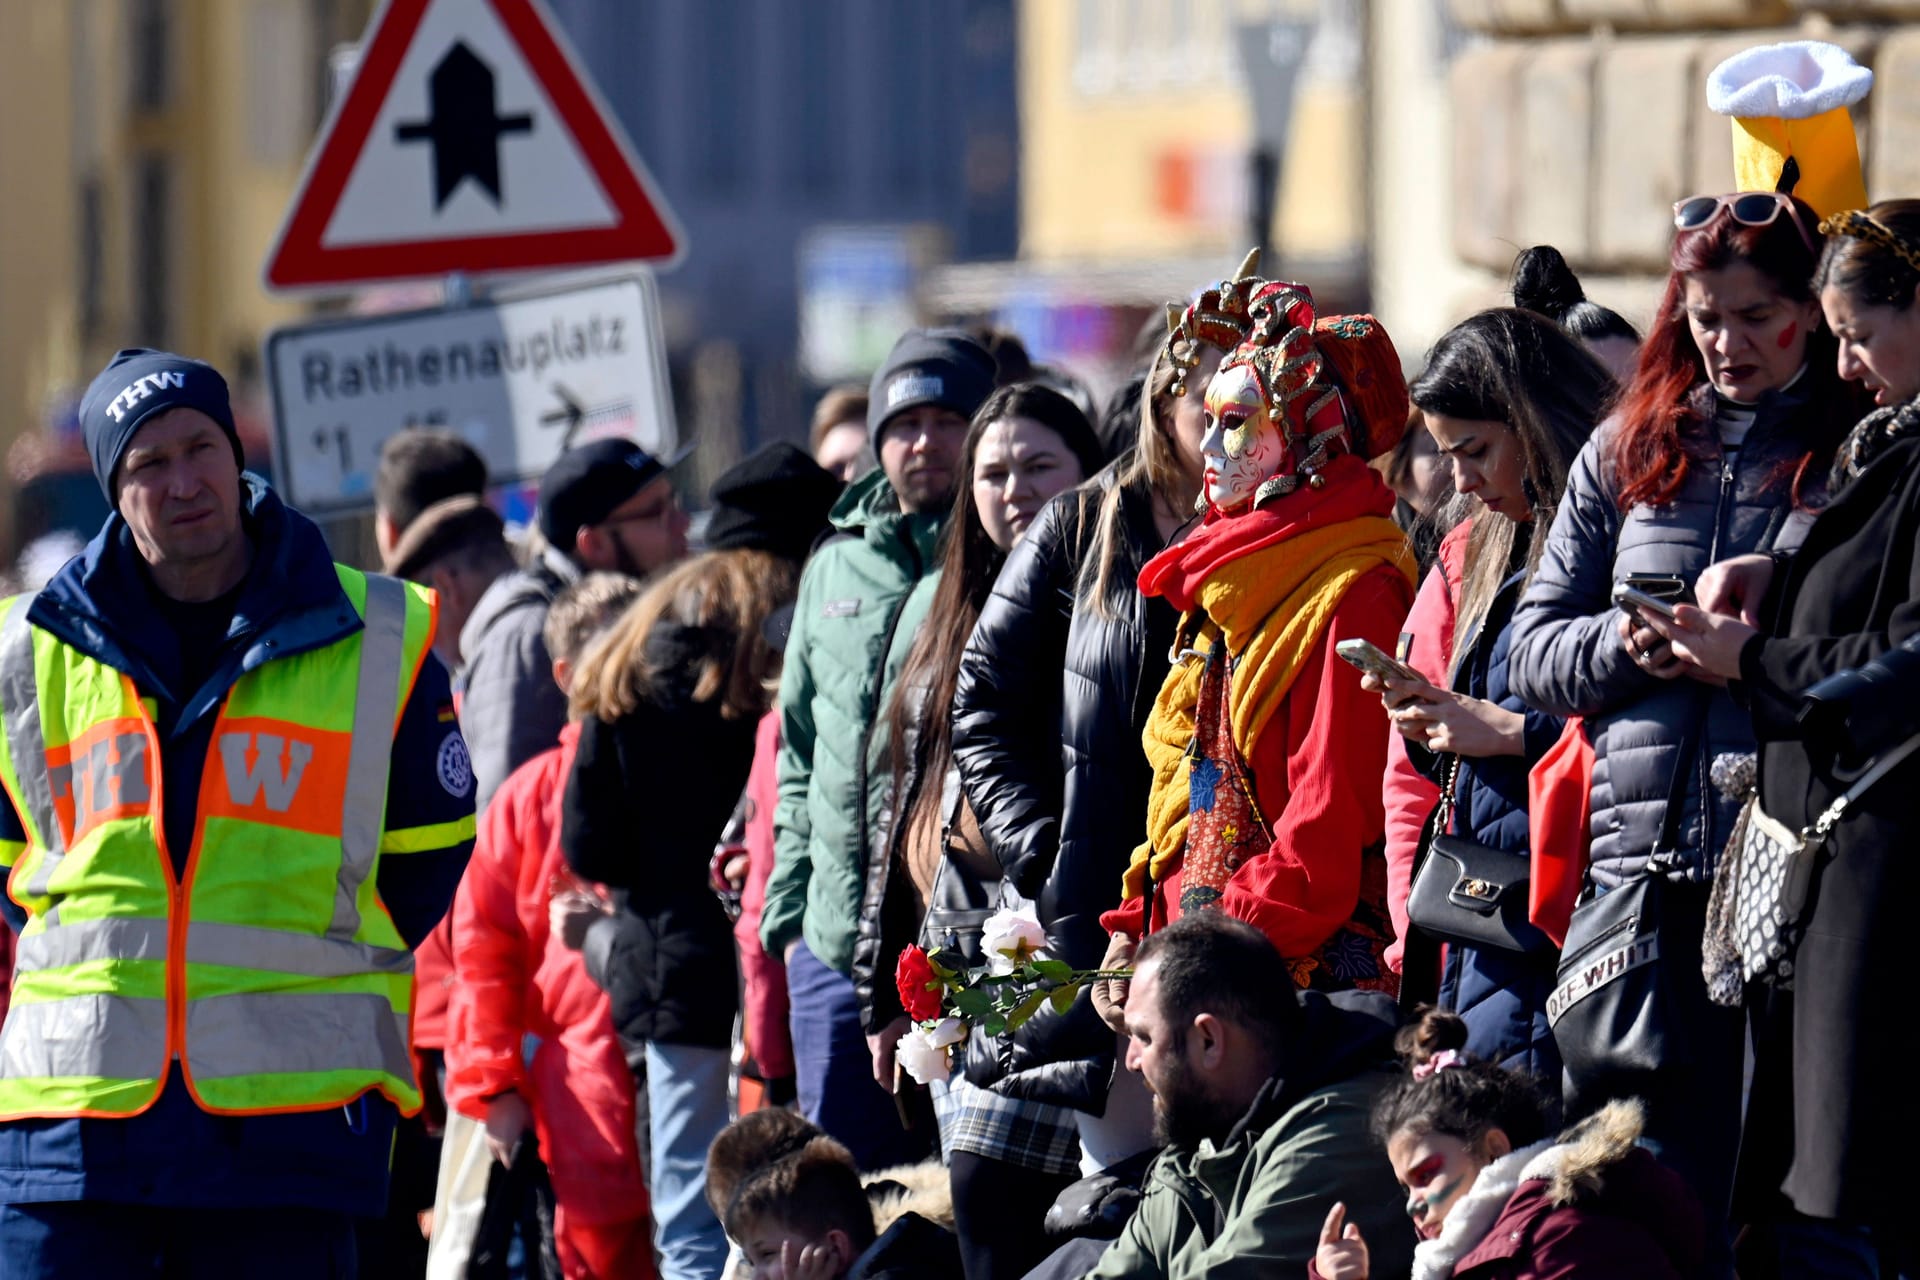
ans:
x=910 y=1188
x=1575 y=1167
x=1612 y=1194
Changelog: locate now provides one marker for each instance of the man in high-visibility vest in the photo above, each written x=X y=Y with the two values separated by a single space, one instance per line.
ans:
x=235 y=796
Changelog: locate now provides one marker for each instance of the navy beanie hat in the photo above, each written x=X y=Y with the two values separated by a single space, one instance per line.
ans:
x=138 y=383
x=943 y=367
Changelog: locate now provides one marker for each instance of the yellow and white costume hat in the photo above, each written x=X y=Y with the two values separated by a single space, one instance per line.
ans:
x=1792 y=130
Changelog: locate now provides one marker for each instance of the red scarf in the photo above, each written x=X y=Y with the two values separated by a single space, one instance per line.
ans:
x=1353 y=490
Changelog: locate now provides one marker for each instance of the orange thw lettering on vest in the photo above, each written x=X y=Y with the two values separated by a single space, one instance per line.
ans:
x=103 y=774
x=274 y=772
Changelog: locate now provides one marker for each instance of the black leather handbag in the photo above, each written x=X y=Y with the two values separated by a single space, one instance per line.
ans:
x=1616 y=1008
x=1471 y=894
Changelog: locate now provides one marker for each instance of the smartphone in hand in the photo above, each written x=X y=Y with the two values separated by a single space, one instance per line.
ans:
x=1670 y=587
x=1373 y=660
x=1634 y=600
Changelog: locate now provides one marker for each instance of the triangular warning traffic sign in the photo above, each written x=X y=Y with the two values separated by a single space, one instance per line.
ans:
x=469 y=140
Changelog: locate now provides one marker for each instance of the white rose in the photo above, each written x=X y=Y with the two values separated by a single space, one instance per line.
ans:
x=1011 y=937
x=947 y=1031
x=920 y=1058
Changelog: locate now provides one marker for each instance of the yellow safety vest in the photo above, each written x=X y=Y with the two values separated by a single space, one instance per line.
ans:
x=270 y=970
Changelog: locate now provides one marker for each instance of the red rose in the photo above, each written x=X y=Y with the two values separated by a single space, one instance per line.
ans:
x=919 y=988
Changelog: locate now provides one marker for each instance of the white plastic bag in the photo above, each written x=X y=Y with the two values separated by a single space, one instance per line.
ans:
x=459 y=1198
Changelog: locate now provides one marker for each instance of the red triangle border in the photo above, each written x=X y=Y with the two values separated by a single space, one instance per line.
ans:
x=645 y=229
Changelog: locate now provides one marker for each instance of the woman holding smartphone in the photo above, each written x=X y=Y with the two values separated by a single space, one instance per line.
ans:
x=1509 y=398
x=1720 y=446
x=1832 y=1105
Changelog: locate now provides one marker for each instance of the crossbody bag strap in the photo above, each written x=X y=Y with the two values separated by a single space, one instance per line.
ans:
x=1828 y=820
x=1683 y=762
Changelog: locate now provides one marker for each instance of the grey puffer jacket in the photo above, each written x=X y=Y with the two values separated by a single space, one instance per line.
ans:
x=1568 y=658
x=510 y=708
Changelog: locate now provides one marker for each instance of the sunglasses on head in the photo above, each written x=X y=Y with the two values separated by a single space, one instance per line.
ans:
x=1748 y=208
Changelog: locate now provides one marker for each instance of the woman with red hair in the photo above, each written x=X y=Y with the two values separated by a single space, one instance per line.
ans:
x=1719 y=446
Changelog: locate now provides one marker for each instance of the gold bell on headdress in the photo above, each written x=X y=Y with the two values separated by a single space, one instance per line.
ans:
x=1316 y=481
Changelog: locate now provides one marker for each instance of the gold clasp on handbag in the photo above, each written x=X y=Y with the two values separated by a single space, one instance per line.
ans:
x=1482 y=890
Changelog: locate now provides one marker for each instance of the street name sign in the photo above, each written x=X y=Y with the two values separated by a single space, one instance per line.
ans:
x=471 y=141
x=522 y=378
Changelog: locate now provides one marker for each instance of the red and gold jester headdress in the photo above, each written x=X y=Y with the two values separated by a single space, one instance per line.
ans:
x=1218 y=318
x=1330 y=386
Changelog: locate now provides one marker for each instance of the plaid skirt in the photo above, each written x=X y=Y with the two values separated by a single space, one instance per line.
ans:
x=1032 y=1135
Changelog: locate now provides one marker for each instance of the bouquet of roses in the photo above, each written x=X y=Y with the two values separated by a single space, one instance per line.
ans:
x=946 y=1000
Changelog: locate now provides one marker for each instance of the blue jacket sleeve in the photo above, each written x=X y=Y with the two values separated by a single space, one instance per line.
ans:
x=1568 y=658
x=430 y=809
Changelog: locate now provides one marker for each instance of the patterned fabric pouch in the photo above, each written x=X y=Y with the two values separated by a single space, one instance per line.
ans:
x=1224 y=826
x=1770 y=880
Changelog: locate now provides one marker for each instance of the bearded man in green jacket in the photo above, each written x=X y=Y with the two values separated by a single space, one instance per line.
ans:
x=852 y=629
x=1262 y=1097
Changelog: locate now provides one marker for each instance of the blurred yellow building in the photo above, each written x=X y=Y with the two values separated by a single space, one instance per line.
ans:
x=1137 y=121
x=1138 y=124
x=147 y=152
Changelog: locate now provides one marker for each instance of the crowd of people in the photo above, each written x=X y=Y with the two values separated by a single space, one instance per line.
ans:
x=1460 y=817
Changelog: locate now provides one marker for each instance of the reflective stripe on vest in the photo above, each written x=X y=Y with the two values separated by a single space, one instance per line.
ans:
x=280 y=983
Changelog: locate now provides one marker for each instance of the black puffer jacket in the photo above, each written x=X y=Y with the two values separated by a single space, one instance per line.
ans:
x=1053 y=764
x=649 y=796
x=1568 y=658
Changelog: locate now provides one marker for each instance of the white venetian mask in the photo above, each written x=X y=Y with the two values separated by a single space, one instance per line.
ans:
x=1242 y=446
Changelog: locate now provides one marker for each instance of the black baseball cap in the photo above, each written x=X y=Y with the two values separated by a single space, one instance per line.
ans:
x=585 y=485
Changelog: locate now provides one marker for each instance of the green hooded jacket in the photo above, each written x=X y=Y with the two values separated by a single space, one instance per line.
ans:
x=852 y=627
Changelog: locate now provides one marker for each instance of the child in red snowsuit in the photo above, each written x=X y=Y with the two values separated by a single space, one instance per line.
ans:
x=513 y=983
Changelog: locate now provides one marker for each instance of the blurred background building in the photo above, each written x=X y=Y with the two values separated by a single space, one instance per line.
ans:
x=1497 y=124
x=147 y=152
x=844 y=168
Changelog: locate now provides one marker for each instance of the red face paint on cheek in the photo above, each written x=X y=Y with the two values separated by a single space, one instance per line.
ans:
x=1787 y=335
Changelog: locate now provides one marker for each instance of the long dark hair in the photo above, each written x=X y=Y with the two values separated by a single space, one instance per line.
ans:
x=1520 y=368
x=969 y=563
x=1661 y=434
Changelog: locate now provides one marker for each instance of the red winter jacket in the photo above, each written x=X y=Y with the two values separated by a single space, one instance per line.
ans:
x=765 y=976
x=512 y=982
x=1408 y=793
x=433 y=986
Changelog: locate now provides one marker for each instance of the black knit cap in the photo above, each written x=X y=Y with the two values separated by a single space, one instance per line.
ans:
x=137 y=384
x=943 y=367
x=775 y=499
x=585 y=484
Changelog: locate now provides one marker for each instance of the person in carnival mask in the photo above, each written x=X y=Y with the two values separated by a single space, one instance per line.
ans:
x=1266 y=751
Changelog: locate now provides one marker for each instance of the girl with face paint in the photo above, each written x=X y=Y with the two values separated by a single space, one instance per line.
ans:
x=1296 y=552
x=1493 y=1197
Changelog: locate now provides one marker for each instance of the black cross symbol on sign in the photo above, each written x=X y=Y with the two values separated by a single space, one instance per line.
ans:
x=464 y=128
